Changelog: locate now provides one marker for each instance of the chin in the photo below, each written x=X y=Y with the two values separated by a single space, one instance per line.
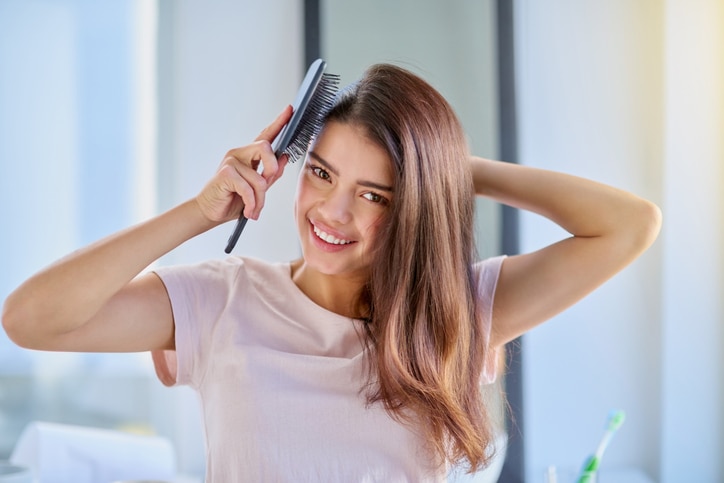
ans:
x=332 y=265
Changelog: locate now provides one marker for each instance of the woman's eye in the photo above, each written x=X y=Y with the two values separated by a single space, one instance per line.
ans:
x=319 y=172
x=375 y=198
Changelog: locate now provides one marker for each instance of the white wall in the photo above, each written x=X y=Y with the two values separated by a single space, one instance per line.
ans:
x=692 y=437
x=229 y=68
x=629 y=93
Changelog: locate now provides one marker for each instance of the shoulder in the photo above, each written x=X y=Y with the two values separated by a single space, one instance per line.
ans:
x=227 y=271
x=213 y=282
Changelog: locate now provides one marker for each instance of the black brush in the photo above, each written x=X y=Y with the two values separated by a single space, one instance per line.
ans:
x=314 y=100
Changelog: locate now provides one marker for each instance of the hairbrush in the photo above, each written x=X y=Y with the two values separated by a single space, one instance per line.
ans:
x=314 y=100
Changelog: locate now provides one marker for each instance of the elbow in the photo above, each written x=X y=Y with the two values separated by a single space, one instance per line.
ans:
x=651 y=219
x=11 y=324
x=17 y=322
x=639 y=229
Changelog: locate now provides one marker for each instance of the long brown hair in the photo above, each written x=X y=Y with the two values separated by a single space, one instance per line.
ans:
x=423 y=329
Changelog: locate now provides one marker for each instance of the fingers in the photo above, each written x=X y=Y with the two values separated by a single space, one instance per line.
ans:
x=272 y=130
x=255 y=154
x=240 y=181
x=239 y=169
x=250 y=184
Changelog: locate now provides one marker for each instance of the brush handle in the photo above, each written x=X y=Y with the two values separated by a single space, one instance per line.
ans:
x=240 y=224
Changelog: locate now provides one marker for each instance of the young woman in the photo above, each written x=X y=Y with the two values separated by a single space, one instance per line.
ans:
x=362 y=360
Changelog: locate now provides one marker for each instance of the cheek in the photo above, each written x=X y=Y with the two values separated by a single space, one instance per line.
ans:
x=300 y=213
x=371 y=225
x=300 y=198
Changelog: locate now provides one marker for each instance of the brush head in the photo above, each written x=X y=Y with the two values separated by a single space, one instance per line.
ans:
x=314 y=100
x=615 y=420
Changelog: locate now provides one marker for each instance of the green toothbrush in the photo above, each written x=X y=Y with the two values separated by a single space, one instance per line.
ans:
x=588 y=473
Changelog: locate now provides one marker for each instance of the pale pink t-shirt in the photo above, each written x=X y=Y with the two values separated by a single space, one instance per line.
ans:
x=280 y=379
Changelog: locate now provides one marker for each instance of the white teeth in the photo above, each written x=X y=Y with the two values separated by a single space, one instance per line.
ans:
x=329 y=238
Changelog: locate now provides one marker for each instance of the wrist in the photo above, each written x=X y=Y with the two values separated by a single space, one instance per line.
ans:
x=480 y=170
x=195 y=214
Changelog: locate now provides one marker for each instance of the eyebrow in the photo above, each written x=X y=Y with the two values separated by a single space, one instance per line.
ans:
x=369 y=184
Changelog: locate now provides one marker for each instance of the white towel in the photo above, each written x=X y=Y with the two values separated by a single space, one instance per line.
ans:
x=62 y=453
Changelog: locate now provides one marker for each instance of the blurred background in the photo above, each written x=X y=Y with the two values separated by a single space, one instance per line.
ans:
x=111 y=112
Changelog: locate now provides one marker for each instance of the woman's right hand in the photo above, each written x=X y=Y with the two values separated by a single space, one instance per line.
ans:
x=237 y=184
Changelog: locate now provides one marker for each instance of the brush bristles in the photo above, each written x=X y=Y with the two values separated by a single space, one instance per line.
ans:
x=311 y=123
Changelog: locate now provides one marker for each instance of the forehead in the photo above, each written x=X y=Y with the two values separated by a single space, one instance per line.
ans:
x=348 y=149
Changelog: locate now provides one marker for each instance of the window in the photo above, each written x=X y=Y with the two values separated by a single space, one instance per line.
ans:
x=77 y=134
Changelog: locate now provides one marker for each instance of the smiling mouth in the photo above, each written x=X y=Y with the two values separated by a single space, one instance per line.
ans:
x=331 y=239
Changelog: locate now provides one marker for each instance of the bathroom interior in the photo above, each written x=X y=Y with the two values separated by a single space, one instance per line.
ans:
x=112 y=112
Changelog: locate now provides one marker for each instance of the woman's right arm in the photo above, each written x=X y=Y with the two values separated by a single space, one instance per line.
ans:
x=94 y=300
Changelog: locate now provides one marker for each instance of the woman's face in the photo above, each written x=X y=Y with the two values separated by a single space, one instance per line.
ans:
x=343 y=195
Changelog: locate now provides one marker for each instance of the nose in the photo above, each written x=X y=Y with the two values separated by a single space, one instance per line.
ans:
x=337 y=207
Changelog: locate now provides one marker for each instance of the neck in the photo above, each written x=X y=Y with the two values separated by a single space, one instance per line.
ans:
x=336 y=293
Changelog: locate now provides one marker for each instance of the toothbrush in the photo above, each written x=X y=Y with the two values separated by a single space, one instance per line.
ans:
x=588 y=474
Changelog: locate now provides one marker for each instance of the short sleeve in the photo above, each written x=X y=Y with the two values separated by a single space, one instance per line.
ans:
x=488 y=272
x=198 y=294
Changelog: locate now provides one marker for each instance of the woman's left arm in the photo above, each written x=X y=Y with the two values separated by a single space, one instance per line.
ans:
x=610 y=228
